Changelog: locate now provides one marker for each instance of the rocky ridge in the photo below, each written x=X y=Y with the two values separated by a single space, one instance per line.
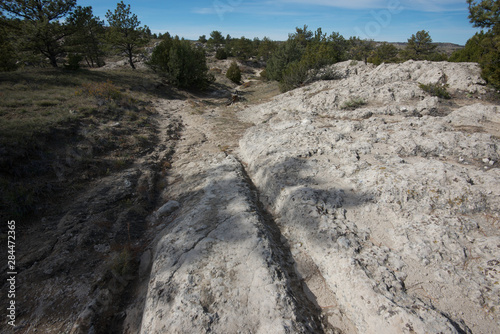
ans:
x=396 y=203
x=357 y=205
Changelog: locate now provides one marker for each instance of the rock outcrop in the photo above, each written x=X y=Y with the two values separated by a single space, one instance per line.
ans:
x=357 y=205
x=396 y=204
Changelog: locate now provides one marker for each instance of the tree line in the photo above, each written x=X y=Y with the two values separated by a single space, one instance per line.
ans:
x=32 y=30
x=36 y=31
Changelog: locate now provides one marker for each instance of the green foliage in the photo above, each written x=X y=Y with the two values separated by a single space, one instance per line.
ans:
x=360 y=49
x=234 y=73
x=7 y=52
x=203 y=39
x=42 y=28
x=294 y=76
x=298 y=59
x=73 y=62
x=243 y=48
x=124 y=32
x=182 y=64
x=353 y=103
x=263 y=75
x=122 y=263
x=87 y=36
x=435 y=90
x=384 y=53
x=216 y=40
x=266 y=49
x=483 y=47
x=286 y=53
x=484 y=14
x=419 y=47
x=221 y=54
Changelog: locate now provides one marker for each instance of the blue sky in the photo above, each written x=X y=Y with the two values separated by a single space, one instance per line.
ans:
x=381 y=20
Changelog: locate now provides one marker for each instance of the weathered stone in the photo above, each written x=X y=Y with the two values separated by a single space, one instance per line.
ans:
x=399 y=229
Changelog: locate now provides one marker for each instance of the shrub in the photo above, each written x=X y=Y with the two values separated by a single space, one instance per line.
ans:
x=7 y=54
x=221 y=54
x=73 y=62
x=435 y=90
x=353 y=103
x=263 y=75
x=182 y=64
x=234 y=73
x=294 y=76
x=101 y=91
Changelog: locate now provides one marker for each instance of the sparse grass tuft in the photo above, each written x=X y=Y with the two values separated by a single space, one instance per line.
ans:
x=102 y=91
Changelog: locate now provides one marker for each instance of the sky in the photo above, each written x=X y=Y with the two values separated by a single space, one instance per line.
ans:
x=380 y=20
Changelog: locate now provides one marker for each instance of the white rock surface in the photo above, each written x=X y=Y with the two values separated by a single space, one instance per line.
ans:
x=393 y=203
x=217 y=266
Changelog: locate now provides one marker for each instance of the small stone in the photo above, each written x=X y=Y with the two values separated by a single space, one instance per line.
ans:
x=167 y=208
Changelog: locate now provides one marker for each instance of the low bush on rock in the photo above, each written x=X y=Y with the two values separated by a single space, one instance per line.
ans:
x=436 y=90
x=353 y=103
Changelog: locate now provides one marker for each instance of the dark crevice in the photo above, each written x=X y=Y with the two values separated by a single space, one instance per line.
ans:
x=309 y=314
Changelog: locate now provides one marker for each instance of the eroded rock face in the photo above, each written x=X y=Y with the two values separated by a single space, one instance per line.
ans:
x=396 y=203
x=218 y=264
x=214 y=268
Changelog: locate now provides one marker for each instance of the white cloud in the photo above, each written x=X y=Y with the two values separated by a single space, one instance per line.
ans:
x=359 y=4
x=421 y=5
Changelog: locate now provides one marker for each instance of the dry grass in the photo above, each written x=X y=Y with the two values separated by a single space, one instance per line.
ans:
x=60 y=128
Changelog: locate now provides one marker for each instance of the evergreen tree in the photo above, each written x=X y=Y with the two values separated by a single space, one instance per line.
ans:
x=42 y=29
x=360 y=49
x=420 y=46
x=266 y=48
x=484 y=14
x=8 y=55
x=242 y=48
x=484 y=47
x=182 y=64
x=86 y=41
x=125 y=32
x=302 y=55
x=384 y=53
x=234 y=73
x=216 y=40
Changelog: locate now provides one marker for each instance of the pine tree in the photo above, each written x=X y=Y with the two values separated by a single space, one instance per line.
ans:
x=42 y=28
x=7 y=52
x=125 y=32
x=86 y=41
x=484 y=47
x=420 y=46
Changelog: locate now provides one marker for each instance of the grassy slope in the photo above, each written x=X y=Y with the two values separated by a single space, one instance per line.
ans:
x=61 y=129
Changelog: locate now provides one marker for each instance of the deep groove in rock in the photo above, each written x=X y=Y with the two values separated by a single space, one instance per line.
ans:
x=308 y=309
